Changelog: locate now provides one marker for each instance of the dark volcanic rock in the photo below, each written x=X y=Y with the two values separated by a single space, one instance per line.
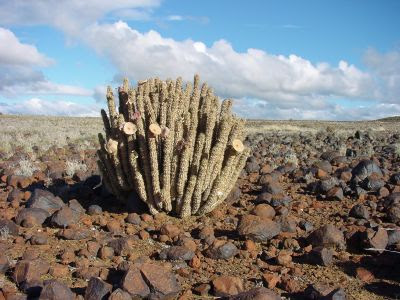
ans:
x=259 y=293
x=359 y=211
x=373 y=183
x=9 y=226
x=393 y=213
x=75 y=234
x=121 y=246
x=29 y=217
x=258 y=229
x=327 y=236
x=335 y=193
x=65 y=217
x=393 y=236
x=365 y=168
x=222 y=250
x=45 y=200
x=375 y=239
x=177 y=253
x=273 y=188
x=321 y=256
x=94 y=210
x=97 y=289
x=4 y=263
x=119 y=294
x=55 y=290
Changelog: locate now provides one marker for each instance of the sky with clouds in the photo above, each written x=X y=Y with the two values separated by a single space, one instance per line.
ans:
x=328 y=60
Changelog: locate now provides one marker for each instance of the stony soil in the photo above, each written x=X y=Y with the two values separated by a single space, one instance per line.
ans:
x=312 y=204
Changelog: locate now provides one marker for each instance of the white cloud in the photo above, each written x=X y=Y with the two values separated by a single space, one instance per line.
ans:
x=386 y=68
x=254 y=73
x=258 y=109
x=175 y=18
x=282 y=86
x=13 y=52
x=99 y=93
x=19 y=74
x=37 y=106
x=71 y=15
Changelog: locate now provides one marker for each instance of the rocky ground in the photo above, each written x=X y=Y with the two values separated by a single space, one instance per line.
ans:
x=315 y=214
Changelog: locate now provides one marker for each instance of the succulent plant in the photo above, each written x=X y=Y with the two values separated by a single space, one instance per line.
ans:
x=177 y=147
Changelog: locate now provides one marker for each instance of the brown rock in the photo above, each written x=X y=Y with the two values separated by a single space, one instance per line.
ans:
x=134 y=284
x=321 y=174
x=202 y=289
x=364 y=275
x=346 y=176
x=258 y=229
x=375 y=239
x=227 y=286
x=195 y=262
x=264 y=211
x=113 y=226
x=68 y=257
x=144 y=235
x=383 y=192
x=250 y=245
x=26 y=270
x=146 y=218
x=59 y=271
x=271 y=279
x=106 y=252
x=170 y=230
x=335 y=194
x=189 y=243
x=162 y=282
x=289 y=285
x=119 y=294
x=259 y=293
x=284 y=258
x=18 y=181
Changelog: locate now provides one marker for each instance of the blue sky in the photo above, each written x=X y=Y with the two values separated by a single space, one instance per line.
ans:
x=336 y=60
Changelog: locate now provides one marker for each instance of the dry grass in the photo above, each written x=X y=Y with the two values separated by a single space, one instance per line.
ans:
x=255 y=126
x=72 y=166
x=26 y=133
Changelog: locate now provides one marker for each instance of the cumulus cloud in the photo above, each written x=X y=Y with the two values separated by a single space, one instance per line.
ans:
x=19 y=73
x=72 y=15
x=254 y=73
x=13 y=52
x=386 y=68
x=263 y=84
x=37 y=106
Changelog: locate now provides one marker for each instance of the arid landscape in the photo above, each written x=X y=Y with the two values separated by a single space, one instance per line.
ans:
x=315 y=214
